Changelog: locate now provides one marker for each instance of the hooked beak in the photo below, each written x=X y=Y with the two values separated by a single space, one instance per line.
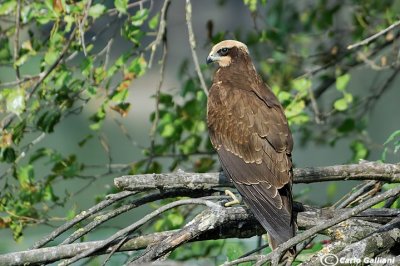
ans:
x=212 y=58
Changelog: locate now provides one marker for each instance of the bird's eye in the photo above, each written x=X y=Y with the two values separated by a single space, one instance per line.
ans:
x=223 y=51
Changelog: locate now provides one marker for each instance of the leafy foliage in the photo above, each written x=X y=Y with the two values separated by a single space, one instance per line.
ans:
x=60 y=67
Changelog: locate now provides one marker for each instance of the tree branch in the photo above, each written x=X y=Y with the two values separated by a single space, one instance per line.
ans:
x=206 y=181
x=237 y=222
x=134 y=226
x=275 y=256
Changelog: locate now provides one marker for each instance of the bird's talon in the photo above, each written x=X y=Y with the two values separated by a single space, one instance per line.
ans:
x=233 y=196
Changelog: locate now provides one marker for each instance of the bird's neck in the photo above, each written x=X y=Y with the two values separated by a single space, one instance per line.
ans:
x=239 y=67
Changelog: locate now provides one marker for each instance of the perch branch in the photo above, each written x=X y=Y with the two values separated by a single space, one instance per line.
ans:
x=239 y=222
x=276 y=254
x=205 y=181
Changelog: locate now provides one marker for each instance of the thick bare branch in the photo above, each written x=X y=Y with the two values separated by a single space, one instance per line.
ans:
x=356 y=239
x=276 y=254
x=134 y=226
x=238 y=222
x=195 y=181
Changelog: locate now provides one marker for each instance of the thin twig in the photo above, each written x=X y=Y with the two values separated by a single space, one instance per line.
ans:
x=100 y=219
x=139 y=223
x=114 y=249
x=82 y=26
x=161 y=33
x=153 y=129
x=192 y=42
x=16 y=39
x=355 y=194
x=114 y=11
x=83 y=215
x=19 y=82
x=314 y=106
x=45 y=74
x=23 y=154
x=373 y=37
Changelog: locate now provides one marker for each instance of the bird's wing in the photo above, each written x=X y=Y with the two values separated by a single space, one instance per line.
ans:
x=254 y=143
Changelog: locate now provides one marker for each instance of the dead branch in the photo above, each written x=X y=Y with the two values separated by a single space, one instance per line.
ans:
x=108 y=201
x=206 y=181
x=357 y=240
x=134 y=226
x=235 y=222
x=274 y=256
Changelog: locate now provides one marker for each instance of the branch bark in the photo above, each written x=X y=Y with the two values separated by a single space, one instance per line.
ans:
x=206 y=181
x=237 y=222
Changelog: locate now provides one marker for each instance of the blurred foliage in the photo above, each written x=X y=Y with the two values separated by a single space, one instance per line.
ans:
x=299 y=48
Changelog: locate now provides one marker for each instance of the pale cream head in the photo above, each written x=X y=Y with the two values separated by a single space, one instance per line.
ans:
x=220 y=52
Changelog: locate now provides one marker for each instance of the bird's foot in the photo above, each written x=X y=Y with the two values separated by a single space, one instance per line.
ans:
x=234 y=200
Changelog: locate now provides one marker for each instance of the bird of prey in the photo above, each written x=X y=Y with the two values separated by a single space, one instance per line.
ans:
x=249 y=130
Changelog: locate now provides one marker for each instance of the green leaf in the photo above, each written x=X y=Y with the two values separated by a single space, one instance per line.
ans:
x=251 y=4
x=331 y=191
x=284 y=96
x=347 y=126
x=392 y=136
x=121 y=5
x=26 y=175
x=48 y=194
x=40 y=153
x=138 y=66
x=18 y=131
x=295 y=108
x=342 y=81
x=96 y=10
x=7 y=155
x=360 y=151
x=7 y=7
x=16 y=101
x=5 y=53
x=341 y=104
x=140 y=16
x=176 y=219
x=302 y=84
x=153 y=23
x=168 y=131
x=71 y=213
x=48 y=120
x=348 y=97
x=16 y=227
x=50 y=57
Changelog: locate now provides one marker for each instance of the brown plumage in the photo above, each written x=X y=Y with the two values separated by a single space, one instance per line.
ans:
x=249 y=130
